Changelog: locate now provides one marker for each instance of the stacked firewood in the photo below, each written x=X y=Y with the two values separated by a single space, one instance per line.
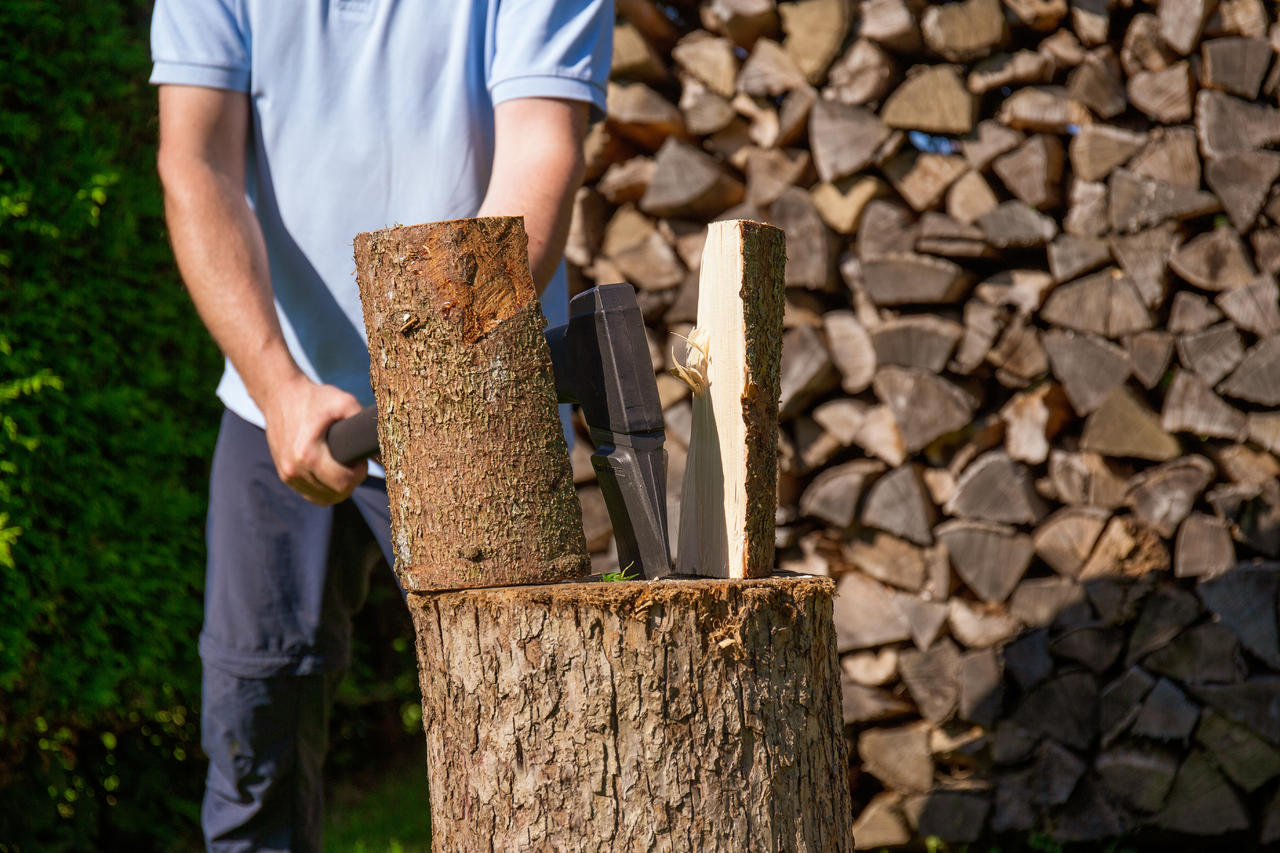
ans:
x=1031 y=352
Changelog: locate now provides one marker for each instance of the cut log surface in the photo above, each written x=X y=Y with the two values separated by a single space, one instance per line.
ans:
x=730 y=480
x=452 y=305
x=1192 y=407
x=1201 y=801
x=1227 y=125
x=1257 y=379
x=963 y=31
x=930 y=677
x=834 y=494
x=1216 y=260
x=1243 y=601
x=1017 y=225
x=899 y=757
x=1099 y=148
x=1161 y=497
x=1124 y=426
x=1211 y=353
x=892 y=561
x=1172 y=156
x=815 y=30
x=1255 y=307
x=934 y=99
x=511 y=682
x=1088 y=367
x=1066 y=539
x=1167 y=714
x=810 y=264
x=990 y=558
x=1041 y=109
x=899 y=504
x=922 y=178
x=1145 y=258
x=1137 y=202
x=867 y=614
x=925 y=406
x=1149 y=355
x=710 y=60
x=1243 y=182
x=1247 y=759
x=922 y=341
x=995 y=488
x=904 y=278
x=1164 y=95
x=1033 y=170
x=844 y=139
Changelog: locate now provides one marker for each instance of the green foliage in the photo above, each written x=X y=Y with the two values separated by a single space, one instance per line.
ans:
x=106 y=424
x=614 y=577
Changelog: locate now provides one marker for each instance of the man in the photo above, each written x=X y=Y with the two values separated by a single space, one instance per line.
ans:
x=285 y=129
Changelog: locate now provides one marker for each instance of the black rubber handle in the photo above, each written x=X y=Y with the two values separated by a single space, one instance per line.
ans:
x=354 y=438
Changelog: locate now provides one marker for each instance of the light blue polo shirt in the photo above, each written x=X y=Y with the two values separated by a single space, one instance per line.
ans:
x=366 y=114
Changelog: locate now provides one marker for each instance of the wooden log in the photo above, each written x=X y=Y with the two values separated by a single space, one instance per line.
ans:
x=1033 y=171
x=807 y=370
x=1104 y=303
x=925 y=341
x=851 y=349
x=862 y=75
x=1227 y=125
x=634 y=58
x=886 y=228
x=1137 y=776
x=980 y=687
x=1022 y=290
x=815 y=30
x=709 y=59
x=930 y=678
x=690 y=183
x=1246 y=466
x=1257 y=379
x=1164 y=614
x=1235 y=65
x=1124 y=426
x=1066 y=539
x=899 y=757
x=436 y=315
x=1165 y=95
x=939 y=234
x=1201 y=801
x=1064 y=709
x=1266 y=249
x=1031 y=420
x=880 y=436
x=871 y=668
x=726 y=522
x=881 y=823
x=1144 y=257
x=834 y=494
x=810 y=246
x=1041 y=602
x=980 y=626
x=770 y=171
x=1254 y=514
x=868 y=705
x=1172 y=156
x=990 y=558
x=905 y=278
x=963 y=31
x=969 y=197
x=995 y=488
x=1121 y=701
x=1095 y=647
x=1096 y=83
x=892 y=561
x=1088 y=367
x=1191 y=312
x=955 y=816
x=1242 y=181
x=867 y=615
x=1016 y=225
x=891 y=23
x=1041 y=109
x=1254 y=307
x=1087 y=209
x=1242 y=599
x=1091 y=20
x=1250 y=703
x=1167 y=714
x=933 y=99
x=793 y=116
x=1039 y=15
x=1245 y=758
x=704 y=111
x=1064 y=47
x=1191 y=406
x=642 y=116
x=842 y=203
x=1216 y=260
x=1085 y=478
x=1004 y=69
x=1246 y=18
x=925 y=406
x=1143 y=48
x=1137 y=203
x=1149 y=355
x=742 y=21
x=899 y=504
x=1211 y=353
x=633 y=243
x=627 y=181
x=1161 y=497
x=769 y=71
x=844 y=139
x=1205 y=654
x=922 y=179
x=1182 y=22
x=988 y=141
x=489 y=722
x=1125 y=550
x=1099 y=148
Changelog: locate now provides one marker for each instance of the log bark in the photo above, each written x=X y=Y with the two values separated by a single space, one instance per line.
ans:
x=604 y=716
x=467 y=407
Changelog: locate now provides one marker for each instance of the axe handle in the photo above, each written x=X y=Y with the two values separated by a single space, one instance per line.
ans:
x=354 y=438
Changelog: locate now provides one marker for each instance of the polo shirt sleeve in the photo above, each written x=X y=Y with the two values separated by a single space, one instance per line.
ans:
x=200 y=43
x=552 y=49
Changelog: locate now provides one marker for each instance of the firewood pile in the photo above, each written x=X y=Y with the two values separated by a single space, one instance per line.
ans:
x=1031 y=357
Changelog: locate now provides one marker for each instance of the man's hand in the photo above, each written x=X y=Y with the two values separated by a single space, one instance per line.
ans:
x=298 y=414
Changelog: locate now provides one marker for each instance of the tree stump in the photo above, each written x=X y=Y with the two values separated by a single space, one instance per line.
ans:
x=478 y=472
x=647 y=715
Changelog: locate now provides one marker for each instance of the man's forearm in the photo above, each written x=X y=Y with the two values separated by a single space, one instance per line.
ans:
x=219 y=248
x=538 y=165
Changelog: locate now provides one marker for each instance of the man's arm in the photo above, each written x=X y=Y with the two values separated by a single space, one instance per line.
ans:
x=537 y=167
x=223 y=260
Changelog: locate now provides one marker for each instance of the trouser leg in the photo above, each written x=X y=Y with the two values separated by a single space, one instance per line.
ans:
x=283 y=581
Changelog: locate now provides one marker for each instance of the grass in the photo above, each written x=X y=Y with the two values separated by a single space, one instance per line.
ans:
x=383 y=812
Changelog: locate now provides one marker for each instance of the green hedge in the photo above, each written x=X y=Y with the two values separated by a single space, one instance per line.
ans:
x=105 y=378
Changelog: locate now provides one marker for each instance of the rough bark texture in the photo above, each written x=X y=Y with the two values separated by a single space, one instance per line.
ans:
x=478 y=473
x=656 y=715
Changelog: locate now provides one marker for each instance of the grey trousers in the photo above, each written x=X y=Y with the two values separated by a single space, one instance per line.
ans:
x=284 y=578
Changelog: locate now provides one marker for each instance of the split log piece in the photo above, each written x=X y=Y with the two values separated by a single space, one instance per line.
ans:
x=933 y=98
x=1042 y=109
x=1105 y=303
x=834 y=494
x=922 y=179
x=905 y=278
x=1088 y=367
x=1066 y=539
x=1041 y=602
x=841 y=204
x=1004 y=69
x=1255 y=307
x=899 y=504
x=970 y=197
x=862 y=75
x=925 y=406
x=844 y=139
x=924 y=341
x=1137 y=202
x=1201 y=801
x=1033 y=170
x=1216 y=260
x=1242 y=599
x=1164 y=95
x=1161 y=497
x=1138 y=776
x=1213 y=352
x=1121 y=701
x=1172 y=156
x=889 y=560
x=810 y=247
x=1205 y=654
x=1017 y=225
x=990 y=558
x=1228 y=125
x=1191 y=406
x=980 y=626
x=815 y=30
x=867 y=615
x=898 y=757
x=995 y=488
x=1149 y=355
x=988 y=141
x=1097 y=83
x=1243 y=181
x=1247 y=759
x=930 y=678
x=1167 y=714
x=1191 y=312
x=709 y=59
x=1124 y=426
x=1099 y=148
x=1257 y=379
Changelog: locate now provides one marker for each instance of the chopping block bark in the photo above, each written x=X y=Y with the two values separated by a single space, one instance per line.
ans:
x=478 y=472
x=649 y=715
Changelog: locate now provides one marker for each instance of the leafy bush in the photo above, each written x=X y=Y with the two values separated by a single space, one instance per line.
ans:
x=106 y=421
